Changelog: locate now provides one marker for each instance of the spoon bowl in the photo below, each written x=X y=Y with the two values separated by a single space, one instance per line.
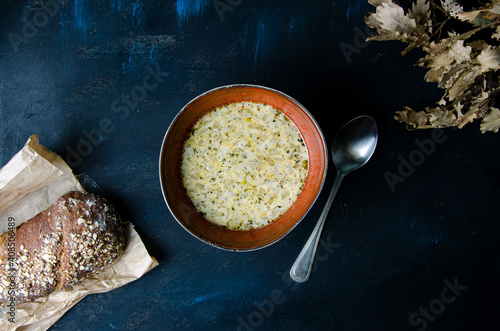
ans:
x=351 y=149
x=354 y=144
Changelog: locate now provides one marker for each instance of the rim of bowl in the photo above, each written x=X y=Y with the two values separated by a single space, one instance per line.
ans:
x=162 y=183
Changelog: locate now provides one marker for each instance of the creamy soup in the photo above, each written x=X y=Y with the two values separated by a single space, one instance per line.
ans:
x=243 y=165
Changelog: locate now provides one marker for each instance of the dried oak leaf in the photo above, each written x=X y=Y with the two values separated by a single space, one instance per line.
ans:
x=420 y=13
x=491 y=121
x=442 y=56
x=431 y=117
x=392 y=23
x=496 y=35
x=390 y=20
x=414 y=119
x=489 y=58
x=462 y=81
x=478 y=106
x=485 y=15
x=441 y=117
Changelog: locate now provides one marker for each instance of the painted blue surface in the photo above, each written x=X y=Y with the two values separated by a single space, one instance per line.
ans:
x=384 y=254
x=188 y=9
x=80 y=19
x=138 y=15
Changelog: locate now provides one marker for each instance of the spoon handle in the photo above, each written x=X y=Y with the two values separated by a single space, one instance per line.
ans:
x=301 y=269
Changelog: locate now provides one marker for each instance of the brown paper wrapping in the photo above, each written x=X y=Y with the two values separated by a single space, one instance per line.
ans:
x=29 y=183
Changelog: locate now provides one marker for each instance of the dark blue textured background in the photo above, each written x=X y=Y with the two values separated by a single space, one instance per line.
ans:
x=386 y=254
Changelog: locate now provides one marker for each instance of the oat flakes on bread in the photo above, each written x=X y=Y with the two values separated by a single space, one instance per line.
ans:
x=78 y=236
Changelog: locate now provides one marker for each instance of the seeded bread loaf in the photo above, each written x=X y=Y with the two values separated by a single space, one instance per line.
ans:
x=76 y=237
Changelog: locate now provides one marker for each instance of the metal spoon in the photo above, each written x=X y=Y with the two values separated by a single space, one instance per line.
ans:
x=352 y=148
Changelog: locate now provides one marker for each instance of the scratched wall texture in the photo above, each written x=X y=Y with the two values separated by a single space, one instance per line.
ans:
x=66 y=67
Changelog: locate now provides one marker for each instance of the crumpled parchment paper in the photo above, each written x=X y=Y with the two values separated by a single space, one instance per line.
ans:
x=29 y=183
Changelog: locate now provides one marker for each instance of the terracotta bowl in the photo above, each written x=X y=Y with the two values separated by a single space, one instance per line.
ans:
x=170 y=177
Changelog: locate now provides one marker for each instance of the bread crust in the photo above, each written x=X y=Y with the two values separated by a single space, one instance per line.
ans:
x=78 y=236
